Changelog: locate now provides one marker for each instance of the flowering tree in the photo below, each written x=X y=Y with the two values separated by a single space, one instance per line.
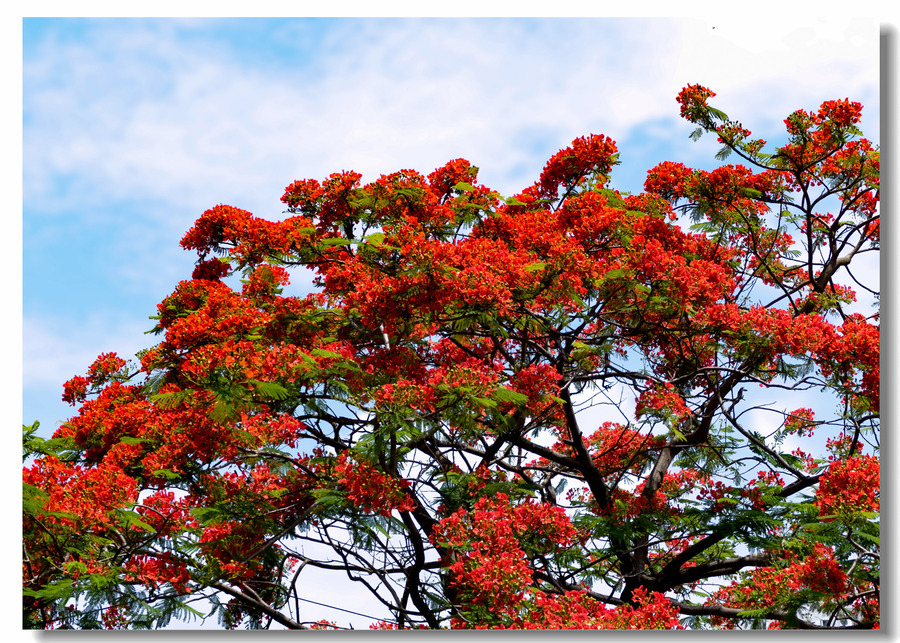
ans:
x=570 y=408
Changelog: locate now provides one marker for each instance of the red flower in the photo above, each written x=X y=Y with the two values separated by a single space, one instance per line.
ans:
x=849 y=486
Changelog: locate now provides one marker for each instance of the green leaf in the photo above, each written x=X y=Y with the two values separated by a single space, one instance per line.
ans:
x=328 y=497
x=578 y=300
x=873 y=538
x=59 y=447
x=167 y=474
x=757 y=613
x=29 y=431
x=53 y=591
x=66 y=515
x=33 y=498
x=271 y=390
x=245 y=436
x=206 y=515
x=717 y=114
x=410 y=193
x=167 y=401
x=374 y=239
x=134 y=519
x=222 y=411
x=484 y=401
x=320 y=352
x=507 y=395
x=335 y=241
x=127 y=439
x=537 y=265
x=189 y=609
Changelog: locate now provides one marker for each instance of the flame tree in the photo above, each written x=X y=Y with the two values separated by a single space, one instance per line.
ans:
x=569 y=408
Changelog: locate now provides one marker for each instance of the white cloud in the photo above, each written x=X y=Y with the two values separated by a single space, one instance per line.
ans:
x=153 y=111
x=762 y=71
x=54 y=350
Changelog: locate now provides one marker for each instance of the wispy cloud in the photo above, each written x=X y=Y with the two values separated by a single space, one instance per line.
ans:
x=73 y=347
x=155 y=112
x=150 y=110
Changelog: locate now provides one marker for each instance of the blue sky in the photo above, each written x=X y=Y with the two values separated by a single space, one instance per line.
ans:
x=133 y=127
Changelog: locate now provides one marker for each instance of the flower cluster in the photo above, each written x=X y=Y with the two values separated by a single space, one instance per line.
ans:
x=578 y=610
x=443 y=180
x=819 y=576
x=662 y=400
x=115 y=618
x=371 y=490
x=83 y=499
x=104 y=367
x=491 y=544
x=800 y=421
x=166 y=514
x=586 y=155
x=157 y=569
x=848 y=487
x=693 y=101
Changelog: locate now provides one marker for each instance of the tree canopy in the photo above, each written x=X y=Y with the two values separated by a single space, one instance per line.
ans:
x=568 y=408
